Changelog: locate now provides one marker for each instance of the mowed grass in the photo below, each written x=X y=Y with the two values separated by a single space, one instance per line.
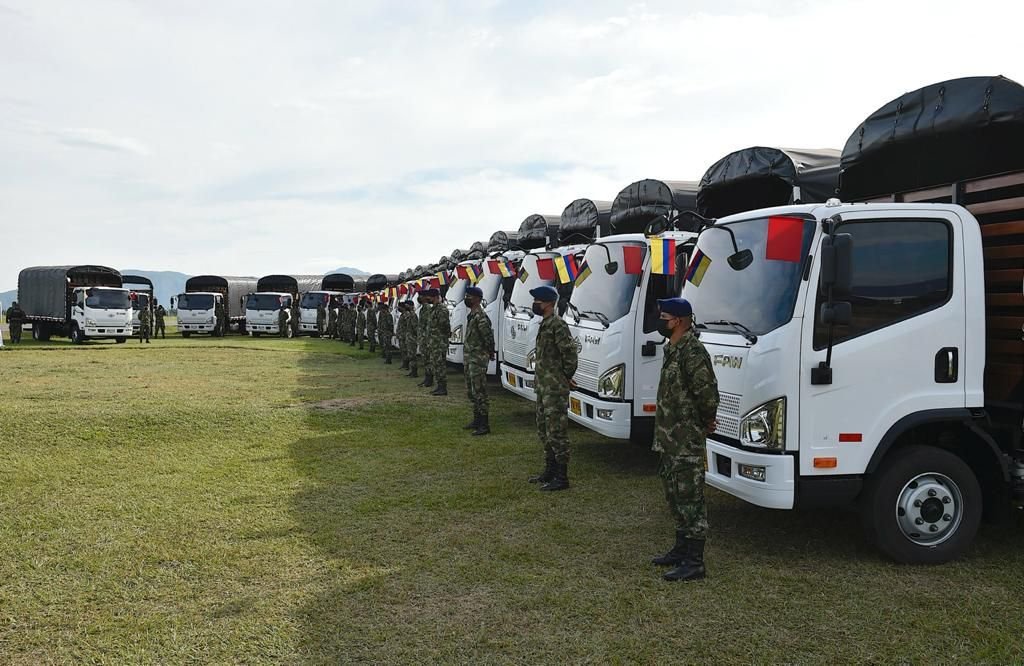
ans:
x=270 y=501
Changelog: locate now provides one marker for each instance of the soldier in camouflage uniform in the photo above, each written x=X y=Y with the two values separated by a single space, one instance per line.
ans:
x=158 y=314
x=351 y=324
x=411 y=343
x=344 y=325
x=423 y=338
x=371 y=328
x=283 y=321
x=221 y=317
x=296 y=316
x=401 y=330
x=361 y=323
x=145 y=319
x=386 y=330
x=478 y=350
x=332 y=318
x=440 y=329
x=321 y=319
x=15 y=320
x=556 y=362
x=687 y=405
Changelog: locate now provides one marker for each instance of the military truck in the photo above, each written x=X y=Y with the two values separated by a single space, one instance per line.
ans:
x=197 y=306
x=80 y=302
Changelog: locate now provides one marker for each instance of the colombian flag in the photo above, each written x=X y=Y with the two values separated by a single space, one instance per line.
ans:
x=584 y=273
x=442 y=279
x=524 y=275
x=698 y=267
x=501 y=267
x=475 y=272
x=663 y=253
x=565 y=265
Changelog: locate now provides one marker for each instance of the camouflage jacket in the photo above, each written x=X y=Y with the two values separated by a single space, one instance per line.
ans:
x=321 y=315
x=423 y=326
x=479 y=339
x=160 y=313
x=687 y=398
x=557 y=356
x=145 y=316
x=361 y=320
x=412 y=332
x=386 y=322
x=282 y=317
x=402 y=327
x=371 y=320
x=15 y=315
x=440 y=326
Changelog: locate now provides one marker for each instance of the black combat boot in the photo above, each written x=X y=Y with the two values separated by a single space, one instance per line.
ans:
x=428 y=380
x=472 y=425
x=547 y=474
x=692 y=566
x=440 y=389
x=387 y=359
x=674 y=556
x=483 y=427
x=405 y=364
x=373 y=348
x=560 y=480
x=412 y=372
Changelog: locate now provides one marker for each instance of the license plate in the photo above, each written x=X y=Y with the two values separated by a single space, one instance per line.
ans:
x=575 y=406
x=511 y=378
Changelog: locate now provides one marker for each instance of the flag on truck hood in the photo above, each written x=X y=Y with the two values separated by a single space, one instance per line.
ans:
x=524 y=275
x=698 y=267
x=546 y=269
x=663 y=253
x=502 y=267
x=584 y=274
x=475 y=272
x=442 y=279
x=565 y=264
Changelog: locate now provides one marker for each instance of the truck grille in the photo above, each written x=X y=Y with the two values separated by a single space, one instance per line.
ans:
x=586 y=374
x=729 y=414
x=515 y=353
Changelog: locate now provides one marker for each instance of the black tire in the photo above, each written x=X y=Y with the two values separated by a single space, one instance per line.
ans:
x=120 y=341
x=37 y=332
x=77 y=336
x=931 y=475
x=256 y=335
x=186 y=334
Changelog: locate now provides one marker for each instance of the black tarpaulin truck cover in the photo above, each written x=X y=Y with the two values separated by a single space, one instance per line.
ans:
x=762 y=177
x=137 y=279
x=234 y=289
x=583 y=220
x=43 y=290
x=640 y=202
x=502 y=241
x=945 y=132
x=290 y=284
x=376 y=282
x=337 y=282
x=477 y=250
x=534 y=230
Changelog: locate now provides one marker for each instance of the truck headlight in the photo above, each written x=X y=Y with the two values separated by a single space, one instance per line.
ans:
x=764 y=426
x=531 y=360
x=456 y=337
x=210 y=320
x=612 y=383
x=90 y=322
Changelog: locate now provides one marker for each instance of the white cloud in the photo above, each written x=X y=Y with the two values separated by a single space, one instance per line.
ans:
x=241 y=138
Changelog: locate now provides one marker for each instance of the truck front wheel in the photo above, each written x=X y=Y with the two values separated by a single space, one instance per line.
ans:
x=185 y=334
x=120 y=341
x=77 y=336
x=923 y=506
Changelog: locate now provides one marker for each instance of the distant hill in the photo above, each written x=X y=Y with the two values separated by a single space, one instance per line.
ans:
x=354 y=272
x=165 y=283
x=7 y=296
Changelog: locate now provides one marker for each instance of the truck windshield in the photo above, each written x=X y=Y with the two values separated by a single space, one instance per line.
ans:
x=107 y=299
x=141 y=301
x=457 y=291
x=489 y=284
x=311 y=299
x=760 y=297
x=263 y=302
x=600 y=293
x=521 y=298
x=195 y=302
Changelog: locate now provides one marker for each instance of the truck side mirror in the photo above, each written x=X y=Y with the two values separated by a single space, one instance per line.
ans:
x=837 y=264
x=740 y=260
x=837 y=313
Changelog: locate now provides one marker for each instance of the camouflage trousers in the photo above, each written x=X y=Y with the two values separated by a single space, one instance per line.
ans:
x=409 y=351
x=553 y=424
x=437 y=363
x=16 y=332
x=476 y=386
x=386 y=348
x=160 y=329
x=144 y=331
x=360 y=335
x=683 y=479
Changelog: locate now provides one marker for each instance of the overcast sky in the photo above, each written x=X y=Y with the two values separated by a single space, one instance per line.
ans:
x=298 y=136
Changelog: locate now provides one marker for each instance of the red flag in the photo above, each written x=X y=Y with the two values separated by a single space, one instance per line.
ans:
x=546 y=269
x=434 y=283
x=633 y=259
x=785 y=239
x=462 y=272
x=492 y=266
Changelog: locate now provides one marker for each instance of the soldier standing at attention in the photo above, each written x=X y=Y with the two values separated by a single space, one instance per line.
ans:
x=555 y=366
x=145 y=317
x=423 y=338
x=221 y=316
x=296 y=317
x=159 y=313
x=386 y=330
x=687 y=406
x=282 y=319
x=321 y=319
x=412 y=338
x=332 y=318
x=371 y=328
x=352 y=324
x=478 y=351
x=15 y=320
x=401 y=330
x=361 y=323
x=440 y=328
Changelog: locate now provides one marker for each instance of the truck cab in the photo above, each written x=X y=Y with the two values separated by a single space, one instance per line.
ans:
x=261 y=312
x=100 y=312
x=197 y=312
x=468 y=272
x=308 y=309
x=141 y=288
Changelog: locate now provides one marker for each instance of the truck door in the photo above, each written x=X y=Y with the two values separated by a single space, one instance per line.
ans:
x=903 y=350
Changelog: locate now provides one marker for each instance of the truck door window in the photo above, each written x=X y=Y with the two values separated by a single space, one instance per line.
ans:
x=663 y=286
x=901 y=269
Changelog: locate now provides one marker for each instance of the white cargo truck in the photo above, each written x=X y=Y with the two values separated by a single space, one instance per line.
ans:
x=870 y=354
x=141 y=293
x=272 y=293
x=197 y=307
x=79 y=302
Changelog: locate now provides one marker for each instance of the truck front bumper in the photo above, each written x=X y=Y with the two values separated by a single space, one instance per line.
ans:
x=776 y=491
x=454 y=354
x=196 y=328
x=518 y=381
x=264 y=328
x=108 y=331
x=611 y=419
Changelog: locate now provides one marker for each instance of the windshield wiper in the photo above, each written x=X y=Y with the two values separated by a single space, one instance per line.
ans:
x=736 y=326
x=598 y=316
x=575 y=310
x=513 y=308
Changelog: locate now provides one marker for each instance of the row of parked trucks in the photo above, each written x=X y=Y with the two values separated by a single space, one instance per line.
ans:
x=863 y=310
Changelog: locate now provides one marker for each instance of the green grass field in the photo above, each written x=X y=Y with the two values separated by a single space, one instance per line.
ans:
x=269 y=501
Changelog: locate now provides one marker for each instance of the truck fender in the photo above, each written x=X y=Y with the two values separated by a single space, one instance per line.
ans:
x=961 y=416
